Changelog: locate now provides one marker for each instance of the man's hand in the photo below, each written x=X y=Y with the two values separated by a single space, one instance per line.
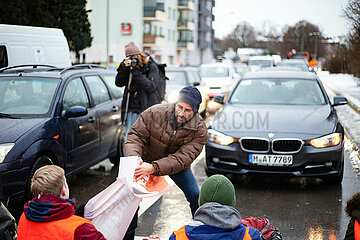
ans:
x=144 y=169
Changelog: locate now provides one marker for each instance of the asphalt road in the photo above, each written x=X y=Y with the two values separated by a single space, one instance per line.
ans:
x=300 y=208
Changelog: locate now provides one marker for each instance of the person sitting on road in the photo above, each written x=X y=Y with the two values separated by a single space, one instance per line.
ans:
x=216 y=218
x=353 y=210
x=50 y=215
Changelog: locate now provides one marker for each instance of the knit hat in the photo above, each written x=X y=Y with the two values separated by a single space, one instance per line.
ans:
x=217 y=188
x=131 y=49
x=191 y=96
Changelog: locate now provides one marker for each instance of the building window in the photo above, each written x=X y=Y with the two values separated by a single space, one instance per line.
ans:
x=169 y=34
x=169 y=13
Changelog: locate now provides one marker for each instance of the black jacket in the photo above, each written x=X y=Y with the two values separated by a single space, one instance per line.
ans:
x=143 y=86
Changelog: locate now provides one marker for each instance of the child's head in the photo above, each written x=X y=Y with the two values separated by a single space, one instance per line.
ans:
x=49 y=179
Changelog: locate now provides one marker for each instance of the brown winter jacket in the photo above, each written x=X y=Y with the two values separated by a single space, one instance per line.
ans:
x=154 y=139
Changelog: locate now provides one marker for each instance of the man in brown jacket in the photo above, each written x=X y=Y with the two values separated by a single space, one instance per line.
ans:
x=169 y=137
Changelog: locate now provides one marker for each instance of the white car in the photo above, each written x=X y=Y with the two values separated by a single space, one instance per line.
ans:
x=219 y=77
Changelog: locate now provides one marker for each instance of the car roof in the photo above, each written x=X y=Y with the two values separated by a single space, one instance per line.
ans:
x=281 y=74
x=51 y=71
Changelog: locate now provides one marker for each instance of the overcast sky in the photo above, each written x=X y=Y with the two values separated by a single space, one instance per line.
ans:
x=327 y=14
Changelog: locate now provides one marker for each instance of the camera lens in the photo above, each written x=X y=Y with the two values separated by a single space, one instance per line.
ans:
x=134 y=62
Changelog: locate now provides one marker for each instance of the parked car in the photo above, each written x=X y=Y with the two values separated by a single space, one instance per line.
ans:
x=220 y=78
x=180 y=77
x=64 y=116
x=297 y=63
x=277 y=123
x=262 y=61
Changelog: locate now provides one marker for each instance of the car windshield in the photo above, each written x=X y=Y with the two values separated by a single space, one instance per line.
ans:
x=278 y=91
x=176 y=78
x=27 y=96
x=262 y=63
x=214 y=72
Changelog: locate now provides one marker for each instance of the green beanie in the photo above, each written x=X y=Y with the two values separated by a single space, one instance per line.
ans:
x=217 y=188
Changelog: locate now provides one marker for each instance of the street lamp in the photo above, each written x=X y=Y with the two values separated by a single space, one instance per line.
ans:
x=316 y=34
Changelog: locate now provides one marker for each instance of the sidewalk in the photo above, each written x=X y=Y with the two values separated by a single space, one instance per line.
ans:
x=349 y=115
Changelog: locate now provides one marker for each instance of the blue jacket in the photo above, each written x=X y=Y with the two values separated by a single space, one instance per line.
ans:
x=215 y=221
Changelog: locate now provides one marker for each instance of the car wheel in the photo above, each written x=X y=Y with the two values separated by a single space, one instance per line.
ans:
x=119 y=152
x=39 y=162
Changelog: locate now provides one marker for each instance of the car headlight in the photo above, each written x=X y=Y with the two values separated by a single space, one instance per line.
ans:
x=4 y=149
x=330 y=140
x=173 y=96
x=217 y=137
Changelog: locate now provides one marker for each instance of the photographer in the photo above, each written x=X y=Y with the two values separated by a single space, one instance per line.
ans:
x=141 y=79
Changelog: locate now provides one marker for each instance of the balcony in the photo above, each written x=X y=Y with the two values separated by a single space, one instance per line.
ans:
x=185 y=46
x=186 y=5
x=186 y=25
x=203 y=27
x=154 y=13
x=203 y=44
x=203 y=10
x=151 y=40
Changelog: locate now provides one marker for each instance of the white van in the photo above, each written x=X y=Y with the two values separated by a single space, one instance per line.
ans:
x=21 y=45
x=262 y=61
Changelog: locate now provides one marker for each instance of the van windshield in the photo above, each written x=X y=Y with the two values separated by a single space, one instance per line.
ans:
x=27 y=96
x=262 y=63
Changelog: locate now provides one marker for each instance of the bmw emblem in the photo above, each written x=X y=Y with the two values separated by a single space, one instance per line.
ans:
x=271 y=135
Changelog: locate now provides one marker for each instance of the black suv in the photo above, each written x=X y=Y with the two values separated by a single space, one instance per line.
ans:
x=64 y=116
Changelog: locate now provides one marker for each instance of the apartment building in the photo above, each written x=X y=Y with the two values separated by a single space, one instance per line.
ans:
x=173 y=31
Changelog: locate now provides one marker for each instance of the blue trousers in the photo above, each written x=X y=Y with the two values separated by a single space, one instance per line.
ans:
x=186 y=181
x=130 y=120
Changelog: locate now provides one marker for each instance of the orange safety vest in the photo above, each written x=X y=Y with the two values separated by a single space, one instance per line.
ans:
x=181 y=234
x=357 y=230
x=56 y=230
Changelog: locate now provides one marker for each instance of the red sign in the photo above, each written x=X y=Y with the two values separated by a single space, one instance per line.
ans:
x=126 y=28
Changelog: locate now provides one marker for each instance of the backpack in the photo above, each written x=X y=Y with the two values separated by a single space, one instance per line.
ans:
x=160 y=91
x=267 y=231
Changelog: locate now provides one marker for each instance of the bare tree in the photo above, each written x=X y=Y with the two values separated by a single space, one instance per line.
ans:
x=303 y=36
x=352 y=13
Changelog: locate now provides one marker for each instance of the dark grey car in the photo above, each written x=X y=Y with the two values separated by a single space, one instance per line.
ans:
x=277 y=123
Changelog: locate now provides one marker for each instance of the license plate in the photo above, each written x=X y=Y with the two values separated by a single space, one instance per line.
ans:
x=270 y=160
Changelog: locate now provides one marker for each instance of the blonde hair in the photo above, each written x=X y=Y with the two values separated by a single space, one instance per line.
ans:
x=49 y=179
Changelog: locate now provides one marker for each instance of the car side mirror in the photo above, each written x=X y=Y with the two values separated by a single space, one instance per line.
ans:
x=219 y=99
x=76 y=111
x=339 y=100
x=196 y=84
